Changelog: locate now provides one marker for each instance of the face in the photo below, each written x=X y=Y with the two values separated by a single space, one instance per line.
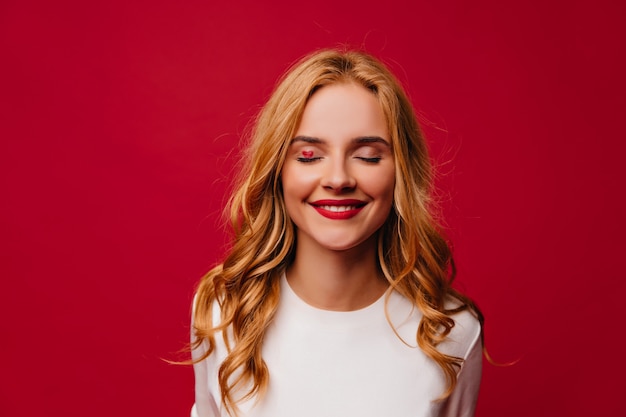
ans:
x=339 y=175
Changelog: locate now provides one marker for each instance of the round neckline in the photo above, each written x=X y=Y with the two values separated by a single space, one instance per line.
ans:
x=329 y=319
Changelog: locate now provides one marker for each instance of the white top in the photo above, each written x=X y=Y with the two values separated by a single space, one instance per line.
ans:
x=328 y=363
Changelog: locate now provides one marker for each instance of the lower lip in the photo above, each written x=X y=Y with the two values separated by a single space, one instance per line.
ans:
x=338 y=215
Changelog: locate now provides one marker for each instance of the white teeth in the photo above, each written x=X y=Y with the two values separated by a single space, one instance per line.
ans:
x=338 y=208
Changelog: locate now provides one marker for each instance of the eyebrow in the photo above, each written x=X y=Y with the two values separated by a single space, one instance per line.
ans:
x=360 y=139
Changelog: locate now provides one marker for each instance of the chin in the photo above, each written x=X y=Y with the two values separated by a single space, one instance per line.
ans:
x=346 y=246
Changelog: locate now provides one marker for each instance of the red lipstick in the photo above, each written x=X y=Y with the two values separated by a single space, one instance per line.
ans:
x=338 y=209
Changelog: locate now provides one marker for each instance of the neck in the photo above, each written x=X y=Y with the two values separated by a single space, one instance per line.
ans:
x=336 y=280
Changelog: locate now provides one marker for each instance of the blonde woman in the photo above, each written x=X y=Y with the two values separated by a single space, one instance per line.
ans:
x=335 y=298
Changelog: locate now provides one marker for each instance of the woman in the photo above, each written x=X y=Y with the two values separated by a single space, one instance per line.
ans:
x=335 y=298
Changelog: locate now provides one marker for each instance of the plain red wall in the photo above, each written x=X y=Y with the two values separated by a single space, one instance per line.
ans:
x=119 y=126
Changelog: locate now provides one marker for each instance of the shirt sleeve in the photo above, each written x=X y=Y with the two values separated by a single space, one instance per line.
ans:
x=462 y=401
x=205 y=405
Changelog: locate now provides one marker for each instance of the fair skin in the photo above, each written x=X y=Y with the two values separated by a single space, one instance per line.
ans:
x=338 y=182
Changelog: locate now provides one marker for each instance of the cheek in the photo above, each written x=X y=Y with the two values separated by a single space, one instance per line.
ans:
x=296 y=184
x=287 y=175
x=297 y=179
x=383 y=185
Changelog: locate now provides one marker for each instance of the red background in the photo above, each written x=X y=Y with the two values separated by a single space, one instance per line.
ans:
x=119 y=126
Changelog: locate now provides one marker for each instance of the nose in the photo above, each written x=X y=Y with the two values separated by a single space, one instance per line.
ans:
x=337 y=177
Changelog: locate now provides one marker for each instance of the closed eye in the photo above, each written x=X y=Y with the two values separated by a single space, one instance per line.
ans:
x=372 y=160
x=308 y=160
x=306 y=155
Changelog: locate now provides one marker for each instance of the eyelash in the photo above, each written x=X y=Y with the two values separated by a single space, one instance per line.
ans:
x=373 y=160
x=308 y=160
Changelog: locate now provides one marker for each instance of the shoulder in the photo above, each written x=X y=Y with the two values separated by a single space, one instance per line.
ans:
x=206 y=336
x=206 y=318
x=211 y=307
x=405 y=318
x=464 y=336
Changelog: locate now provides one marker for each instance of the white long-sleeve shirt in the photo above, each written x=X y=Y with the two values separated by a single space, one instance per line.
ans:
x=341 y=364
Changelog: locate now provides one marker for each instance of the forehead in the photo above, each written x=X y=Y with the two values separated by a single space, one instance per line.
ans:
x=343 y=110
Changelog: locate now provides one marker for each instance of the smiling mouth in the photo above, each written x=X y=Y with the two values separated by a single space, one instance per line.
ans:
x=338 y=209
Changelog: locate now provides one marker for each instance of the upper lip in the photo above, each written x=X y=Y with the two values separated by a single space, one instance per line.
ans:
x=345 y=202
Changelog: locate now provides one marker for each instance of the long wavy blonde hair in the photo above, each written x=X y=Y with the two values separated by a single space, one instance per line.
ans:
x=412 y=253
